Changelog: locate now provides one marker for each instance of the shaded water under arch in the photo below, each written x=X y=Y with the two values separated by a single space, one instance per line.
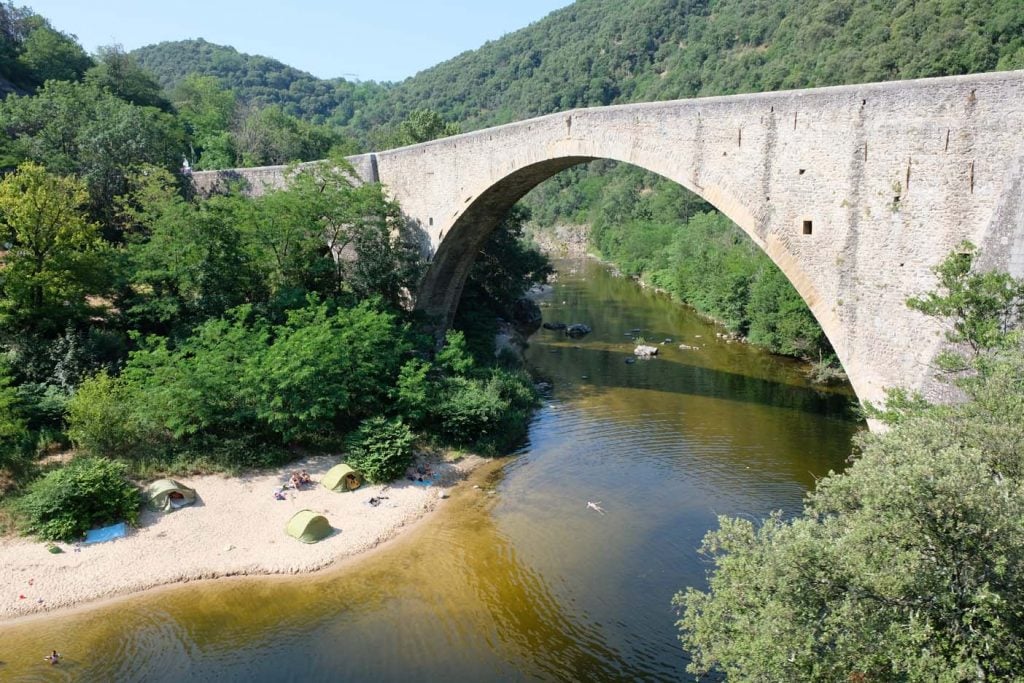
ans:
x=517 y=580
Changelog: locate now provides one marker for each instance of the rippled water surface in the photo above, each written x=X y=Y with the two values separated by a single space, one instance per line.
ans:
x=517 y=580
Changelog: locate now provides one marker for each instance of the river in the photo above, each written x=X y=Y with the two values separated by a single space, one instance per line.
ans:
x=518 y=579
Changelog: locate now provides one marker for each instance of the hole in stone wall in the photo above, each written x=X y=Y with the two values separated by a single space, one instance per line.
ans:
x=896 y=199
x=431 y=220
x=803 y=170
x=808 y=227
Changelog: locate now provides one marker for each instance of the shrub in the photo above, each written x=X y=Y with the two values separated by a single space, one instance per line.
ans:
x=67 y=502
x=100 y=417
x=380 y=449
x=487 y=413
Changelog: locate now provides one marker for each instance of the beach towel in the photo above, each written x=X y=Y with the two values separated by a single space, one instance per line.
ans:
x=107 y=533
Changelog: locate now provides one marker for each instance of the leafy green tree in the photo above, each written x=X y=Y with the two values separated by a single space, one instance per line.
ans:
x=55 y=256
x=101 y=418
x=188 y=259
x=907 y=567
x=381 y=449
x=269 y=136
x=910 y=565
x=421 y=125
x=365 y=235
x=15 y=438
x=983 y=306
x=86 y=492
x=51 y=55
x=208 y=112
x=118 y=73
x=326 y=370
x=506 y=266
x=76 y=129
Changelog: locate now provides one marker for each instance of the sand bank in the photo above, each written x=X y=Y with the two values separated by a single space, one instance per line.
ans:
x=235 y=528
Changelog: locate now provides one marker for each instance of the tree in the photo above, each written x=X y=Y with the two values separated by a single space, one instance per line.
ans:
x=55 y=255
x=51 y=55
x=421 y=125
x=118 y=73
x=366 y=238
x=910 y=565
x=15 y=438
x=208 y=112
x=86 y=492
x=77 y=129
x=188 y=259
x=983 y=306
x=270 y=136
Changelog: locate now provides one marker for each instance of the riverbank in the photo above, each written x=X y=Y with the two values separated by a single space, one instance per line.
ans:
x=235 y=528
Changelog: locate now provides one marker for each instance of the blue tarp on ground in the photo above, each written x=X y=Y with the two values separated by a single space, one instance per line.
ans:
x=107 y=533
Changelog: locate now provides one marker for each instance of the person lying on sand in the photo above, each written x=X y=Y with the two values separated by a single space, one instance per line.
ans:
x=304 y=477
x=295 y=482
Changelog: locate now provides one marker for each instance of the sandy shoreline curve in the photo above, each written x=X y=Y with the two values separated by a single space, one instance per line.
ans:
x=235 y=528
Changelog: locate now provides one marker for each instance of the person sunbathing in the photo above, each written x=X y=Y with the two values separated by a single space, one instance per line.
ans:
x=295 y=482
x=304 y=477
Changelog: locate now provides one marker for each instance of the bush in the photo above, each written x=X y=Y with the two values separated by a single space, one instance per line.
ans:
x=66 y=503
x=380 y=449
x=487 y=413
x=100 y=418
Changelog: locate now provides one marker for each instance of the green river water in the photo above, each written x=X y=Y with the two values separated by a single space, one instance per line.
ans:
x=517 y=580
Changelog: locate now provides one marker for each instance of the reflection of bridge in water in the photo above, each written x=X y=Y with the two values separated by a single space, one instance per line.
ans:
x=855 y=192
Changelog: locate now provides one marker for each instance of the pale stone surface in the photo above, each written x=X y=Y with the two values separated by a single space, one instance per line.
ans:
x=856 y=192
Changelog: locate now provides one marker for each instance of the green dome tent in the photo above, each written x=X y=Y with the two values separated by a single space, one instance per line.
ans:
x=342 y=478
x=167 y=495
x=308 y=527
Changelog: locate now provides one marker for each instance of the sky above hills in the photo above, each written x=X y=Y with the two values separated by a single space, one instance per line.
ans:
x=386 y=40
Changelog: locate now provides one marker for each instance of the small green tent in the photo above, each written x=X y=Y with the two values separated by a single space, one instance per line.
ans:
x=342 y=478
x=308 y=527
x=167 y=495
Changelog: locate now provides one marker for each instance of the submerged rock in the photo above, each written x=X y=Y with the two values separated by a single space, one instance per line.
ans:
x=554 y=326
x=577 y=330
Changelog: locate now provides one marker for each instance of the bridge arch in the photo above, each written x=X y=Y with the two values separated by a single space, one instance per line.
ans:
x=855 y=192
x=442 y=285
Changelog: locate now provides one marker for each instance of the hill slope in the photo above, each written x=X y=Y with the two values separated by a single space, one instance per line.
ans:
x=598 y=52
x=257 y=80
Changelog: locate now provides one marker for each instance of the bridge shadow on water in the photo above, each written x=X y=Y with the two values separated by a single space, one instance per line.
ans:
x=596 y=370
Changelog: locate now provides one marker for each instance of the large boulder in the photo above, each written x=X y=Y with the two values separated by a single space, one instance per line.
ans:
x=554 y=326
x=577 y=330
x=526 y=315
x=645 y=351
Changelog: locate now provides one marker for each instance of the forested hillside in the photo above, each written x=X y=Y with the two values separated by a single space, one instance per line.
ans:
x=598 y=52
x=259 y=81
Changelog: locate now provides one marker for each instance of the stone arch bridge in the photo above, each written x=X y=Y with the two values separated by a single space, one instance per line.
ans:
x=855 y=192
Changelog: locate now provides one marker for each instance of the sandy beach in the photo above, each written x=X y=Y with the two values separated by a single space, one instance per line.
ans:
x=236 y=527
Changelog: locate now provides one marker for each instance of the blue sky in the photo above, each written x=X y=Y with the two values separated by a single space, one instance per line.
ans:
x=382 y=40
